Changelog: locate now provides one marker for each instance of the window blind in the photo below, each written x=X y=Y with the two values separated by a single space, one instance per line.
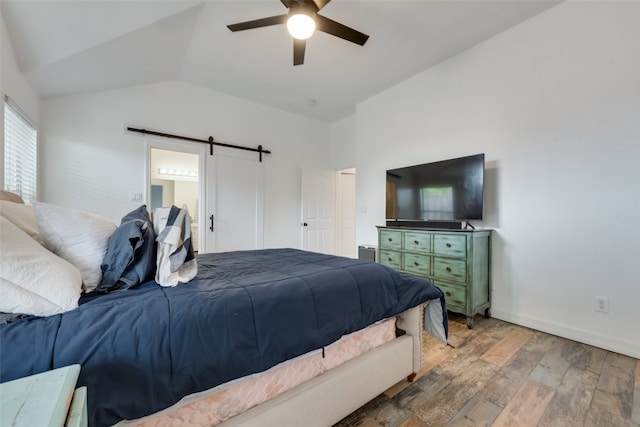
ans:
x=20 y=152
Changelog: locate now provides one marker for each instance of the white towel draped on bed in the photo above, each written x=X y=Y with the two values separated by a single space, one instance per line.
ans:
x=176 y=261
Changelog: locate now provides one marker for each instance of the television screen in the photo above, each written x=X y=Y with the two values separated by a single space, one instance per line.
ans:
x=449 y=190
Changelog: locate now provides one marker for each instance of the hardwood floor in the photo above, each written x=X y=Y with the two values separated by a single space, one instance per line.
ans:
x=500 y=374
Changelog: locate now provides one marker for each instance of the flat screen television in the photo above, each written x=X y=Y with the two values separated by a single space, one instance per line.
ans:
x=445 y=191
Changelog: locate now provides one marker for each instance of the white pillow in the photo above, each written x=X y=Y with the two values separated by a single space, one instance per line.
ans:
x=21 y=215
x=77 y=236
x=32 y=279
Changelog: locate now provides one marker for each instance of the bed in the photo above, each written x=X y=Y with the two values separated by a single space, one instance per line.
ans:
x=151 y=350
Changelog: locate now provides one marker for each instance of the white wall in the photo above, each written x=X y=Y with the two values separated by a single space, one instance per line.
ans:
x=554 y=103
x=186 y=194
x=91 y=163
x=343 y=143
x=15 y=86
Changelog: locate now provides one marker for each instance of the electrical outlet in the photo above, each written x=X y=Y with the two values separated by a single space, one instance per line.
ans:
x=135 y=197
x=601 y=304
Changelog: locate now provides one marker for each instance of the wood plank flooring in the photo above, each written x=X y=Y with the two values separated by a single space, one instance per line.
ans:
x=501 y=374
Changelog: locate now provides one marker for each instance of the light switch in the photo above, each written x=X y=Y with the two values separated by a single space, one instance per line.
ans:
x=135 y=197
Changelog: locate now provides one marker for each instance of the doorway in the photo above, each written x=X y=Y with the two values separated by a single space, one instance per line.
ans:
x=223 y=193
x=346 y=213
x=328 y=211
x=174 y=179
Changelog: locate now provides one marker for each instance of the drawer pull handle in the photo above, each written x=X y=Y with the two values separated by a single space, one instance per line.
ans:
x=449 y=269
x=416 y=242
x=416 y=263
x=448 y=294
x=448 y=245
x=390 y=239
x=390 y=260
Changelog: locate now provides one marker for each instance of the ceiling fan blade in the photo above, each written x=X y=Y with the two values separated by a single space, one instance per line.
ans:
x=298 y=51
x=257 y=23
x=321 y=3
x=334 y=28
x=288 y=3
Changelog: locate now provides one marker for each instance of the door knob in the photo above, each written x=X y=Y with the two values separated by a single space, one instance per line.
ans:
x=305 y=224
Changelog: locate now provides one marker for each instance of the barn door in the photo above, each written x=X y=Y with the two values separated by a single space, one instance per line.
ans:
x=234 y=201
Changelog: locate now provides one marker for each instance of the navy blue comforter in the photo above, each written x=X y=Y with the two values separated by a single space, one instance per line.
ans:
x=143 y=349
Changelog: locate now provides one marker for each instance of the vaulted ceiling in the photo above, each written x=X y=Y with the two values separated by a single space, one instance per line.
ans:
x=73 y=46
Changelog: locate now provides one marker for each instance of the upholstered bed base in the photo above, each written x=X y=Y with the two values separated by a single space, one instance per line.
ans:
x=328 y=398
x=334 y=394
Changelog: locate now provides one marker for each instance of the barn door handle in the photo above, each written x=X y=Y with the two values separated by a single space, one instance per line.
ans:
x=211 y=226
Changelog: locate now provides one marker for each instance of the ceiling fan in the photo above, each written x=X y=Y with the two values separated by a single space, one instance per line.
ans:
x=302 y=20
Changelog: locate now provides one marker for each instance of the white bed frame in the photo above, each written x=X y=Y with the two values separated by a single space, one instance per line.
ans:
x=328 y=398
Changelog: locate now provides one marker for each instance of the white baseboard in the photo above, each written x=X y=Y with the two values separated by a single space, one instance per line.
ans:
x=627 y=348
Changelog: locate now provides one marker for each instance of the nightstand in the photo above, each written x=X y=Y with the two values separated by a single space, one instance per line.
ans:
x=45 y=399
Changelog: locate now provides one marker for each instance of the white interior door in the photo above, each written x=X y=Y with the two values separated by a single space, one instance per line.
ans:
x=234 y=201
x=346 y=217
x=319 y=210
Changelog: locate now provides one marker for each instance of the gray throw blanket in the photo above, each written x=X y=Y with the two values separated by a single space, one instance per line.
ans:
x=176 y=262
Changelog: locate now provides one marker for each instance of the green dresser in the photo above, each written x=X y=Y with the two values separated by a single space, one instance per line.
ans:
x=457 y=261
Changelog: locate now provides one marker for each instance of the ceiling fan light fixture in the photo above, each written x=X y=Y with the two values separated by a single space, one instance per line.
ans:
x=301 y=25
x=302 y=19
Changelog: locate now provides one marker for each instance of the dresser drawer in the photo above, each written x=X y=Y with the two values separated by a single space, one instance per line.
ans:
x=453 y=295
x=391 y=239
x=391 y=258
x=417 y=264
x=417 y=242
x=450 y=245
x=450 y=269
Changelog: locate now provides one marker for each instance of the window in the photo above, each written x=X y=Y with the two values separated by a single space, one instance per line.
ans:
x=20 y=152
